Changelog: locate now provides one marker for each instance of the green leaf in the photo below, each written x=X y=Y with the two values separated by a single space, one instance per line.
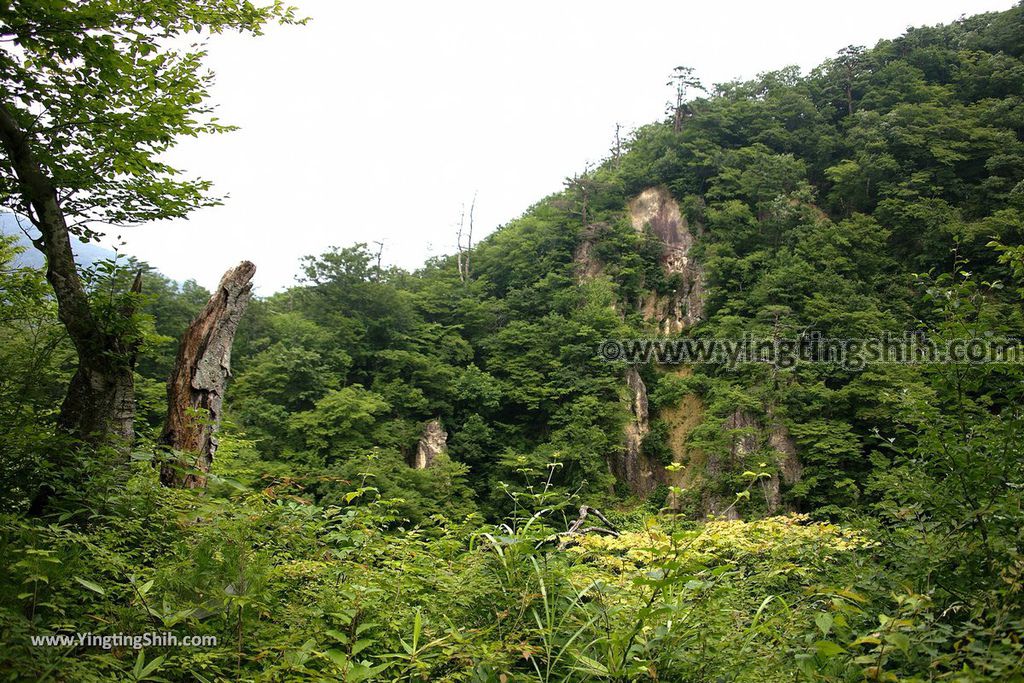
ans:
x=337 y=635
x=140 y=661
x=95 y=587
x=824 y=621
x=339 y=658
x=900 y=640
x=828 y=649
x=417 y=629
x=592 y=666
x=867 y=640
x=152 y=666
x=361 y=672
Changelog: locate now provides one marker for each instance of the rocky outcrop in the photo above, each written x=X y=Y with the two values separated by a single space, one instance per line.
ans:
x=655 y=210
x=788 y=463
x=656 y=213
x=433 y=442
x=742 y=428
x=748 y=434
x=588 y=266
x=680 y=420
x=633 y=467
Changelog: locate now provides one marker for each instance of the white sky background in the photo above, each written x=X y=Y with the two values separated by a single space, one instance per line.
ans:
x=378 y=120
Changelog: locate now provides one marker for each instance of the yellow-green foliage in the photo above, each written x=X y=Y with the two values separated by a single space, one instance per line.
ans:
x=793 y=542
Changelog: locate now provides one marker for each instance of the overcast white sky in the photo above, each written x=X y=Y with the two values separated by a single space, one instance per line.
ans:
x=378 y=120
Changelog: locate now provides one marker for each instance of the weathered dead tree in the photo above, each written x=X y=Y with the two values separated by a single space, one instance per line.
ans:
x=377 y=258
x=617 y=145
x=581 y=187
x=577 y=528
x=464 y=251
x=195 y=389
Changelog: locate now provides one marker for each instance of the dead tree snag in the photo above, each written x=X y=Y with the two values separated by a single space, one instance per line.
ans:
x=195 y=389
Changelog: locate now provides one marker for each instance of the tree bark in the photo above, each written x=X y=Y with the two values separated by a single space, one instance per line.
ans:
x=195 y=390
x=100 y=400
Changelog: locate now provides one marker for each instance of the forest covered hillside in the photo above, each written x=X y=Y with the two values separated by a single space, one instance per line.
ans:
x=457 y=474
x=845 y=203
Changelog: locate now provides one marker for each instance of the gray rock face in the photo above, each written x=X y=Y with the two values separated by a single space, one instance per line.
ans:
x=588 y=266
x=746 y=427
x=749 y=435
x=633 y=466
x=790 y=468
x=654 y=209
x=655 y=212
x=744 y=440
x=433 y=442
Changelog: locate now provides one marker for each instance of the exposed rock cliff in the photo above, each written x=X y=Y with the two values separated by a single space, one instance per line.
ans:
x=789 y=467
x=680 y=420
x=588 y=266
x=433 y=442
x=633 y=467
x=748 y=434
x=742 y=429
x=655 y=210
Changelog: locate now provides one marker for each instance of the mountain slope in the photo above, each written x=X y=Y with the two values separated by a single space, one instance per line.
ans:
x=87 y=253
x=781 y=206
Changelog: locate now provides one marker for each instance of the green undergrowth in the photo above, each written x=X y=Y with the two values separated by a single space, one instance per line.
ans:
x=293 y=590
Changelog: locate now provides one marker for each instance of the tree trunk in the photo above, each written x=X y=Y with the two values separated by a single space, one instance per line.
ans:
x=100 y=403
x=92 y=390
x=195 y=389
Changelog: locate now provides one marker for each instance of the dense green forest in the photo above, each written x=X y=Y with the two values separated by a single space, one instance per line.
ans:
x=437 y=475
